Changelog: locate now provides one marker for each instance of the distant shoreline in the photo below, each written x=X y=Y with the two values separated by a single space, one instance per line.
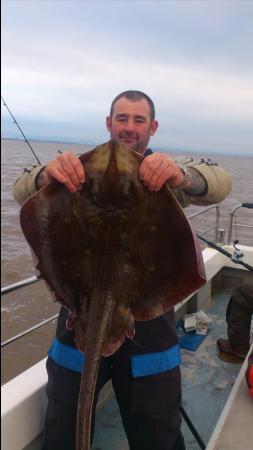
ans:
x=174 y=150
x=51 y=141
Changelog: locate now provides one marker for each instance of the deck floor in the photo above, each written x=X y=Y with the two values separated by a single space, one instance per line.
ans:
x=206 y=384
x=206 y=379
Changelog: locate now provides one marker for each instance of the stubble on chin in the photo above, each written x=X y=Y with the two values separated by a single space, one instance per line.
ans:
x=136 y=146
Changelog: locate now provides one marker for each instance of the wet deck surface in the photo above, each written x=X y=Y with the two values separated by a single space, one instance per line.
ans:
x=206 y=379
x=206 y=384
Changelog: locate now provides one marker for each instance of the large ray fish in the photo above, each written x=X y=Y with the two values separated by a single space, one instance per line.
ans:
x=111 y=253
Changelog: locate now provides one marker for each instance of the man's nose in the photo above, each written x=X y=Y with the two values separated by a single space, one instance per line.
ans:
x=130 y=125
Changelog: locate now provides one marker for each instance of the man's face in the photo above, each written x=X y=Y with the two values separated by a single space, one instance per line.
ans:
x=131 y=124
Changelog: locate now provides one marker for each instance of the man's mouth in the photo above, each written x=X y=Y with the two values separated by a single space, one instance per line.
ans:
x=128 y=140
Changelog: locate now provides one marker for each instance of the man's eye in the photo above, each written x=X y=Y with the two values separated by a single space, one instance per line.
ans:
x=139 y=120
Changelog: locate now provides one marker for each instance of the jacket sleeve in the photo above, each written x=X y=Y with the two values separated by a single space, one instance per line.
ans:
x=218 y=182
x=25 y=185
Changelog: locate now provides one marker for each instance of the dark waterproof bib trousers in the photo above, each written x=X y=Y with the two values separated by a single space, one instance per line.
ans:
x=145 y=374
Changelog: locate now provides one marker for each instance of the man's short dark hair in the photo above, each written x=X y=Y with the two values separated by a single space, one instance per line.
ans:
x=135 y=96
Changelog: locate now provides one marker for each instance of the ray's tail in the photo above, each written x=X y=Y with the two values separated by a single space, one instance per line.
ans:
x=101 y=306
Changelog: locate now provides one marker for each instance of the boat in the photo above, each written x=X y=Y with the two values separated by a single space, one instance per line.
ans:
x=217 y=409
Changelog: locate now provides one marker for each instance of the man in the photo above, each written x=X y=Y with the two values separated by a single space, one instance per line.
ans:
x=238 y=315
x=149 y=404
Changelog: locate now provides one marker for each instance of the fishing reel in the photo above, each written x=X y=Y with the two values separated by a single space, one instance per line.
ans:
x=238 y=254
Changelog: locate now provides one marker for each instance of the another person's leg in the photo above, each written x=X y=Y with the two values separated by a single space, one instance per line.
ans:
x=238 y=316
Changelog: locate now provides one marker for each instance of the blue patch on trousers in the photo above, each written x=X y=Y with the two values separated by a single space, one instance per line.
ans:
x=154 y=363
x=142 y=365
x=66 y=356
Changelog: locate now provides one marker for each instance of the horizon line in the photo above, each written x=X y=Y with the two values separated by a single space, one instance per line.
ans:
x=165 y=148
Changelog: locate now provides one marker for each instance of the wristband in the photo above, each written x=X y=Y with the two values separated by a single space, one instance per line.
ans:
x=187 y=177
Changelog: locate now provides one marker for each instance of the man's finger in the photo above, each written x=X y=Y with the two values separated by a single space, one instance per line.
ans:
x=70 y=172
x=148 y=169
x=63 y=169
x=163 y=177
x=66 y=164
x=163 y=170
x=61 y=176
x=75 y=164
x=78 y=168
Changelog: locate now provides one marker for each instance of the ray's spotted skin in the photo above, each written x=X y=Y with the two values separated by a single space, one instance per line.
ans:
x=111 y=253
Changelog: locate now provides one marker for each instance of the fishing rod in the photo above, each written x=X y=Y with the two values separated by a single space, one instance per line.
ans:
x=235 y=257
x=192 y=428
x=26 y=140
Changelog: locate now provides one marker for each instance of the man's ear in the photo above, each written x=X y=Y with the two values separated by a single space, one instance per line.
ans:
x=154 y=126
x=108 y=123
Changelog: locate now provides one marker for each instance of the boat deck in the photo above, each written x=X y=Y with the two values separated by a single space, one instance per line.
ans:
x=206 y=379
x=206 y=384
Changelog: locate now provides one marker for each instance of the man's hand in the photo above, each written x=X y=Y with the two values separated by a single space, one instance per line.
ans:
x=158 y=168
x=67 y=169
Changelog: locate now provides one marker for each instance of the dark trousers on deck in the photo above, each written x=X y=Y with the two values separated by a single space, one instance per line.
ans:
x=238 y=316
x=149 y=405
x=151 y=420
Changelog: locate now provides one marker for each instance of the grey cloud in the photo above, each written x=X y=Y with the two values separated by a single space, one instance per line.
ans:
x=72 y=58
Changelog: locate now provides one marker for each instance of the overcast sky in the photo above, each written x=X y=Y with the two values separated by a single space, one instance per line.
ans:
x=64 y=61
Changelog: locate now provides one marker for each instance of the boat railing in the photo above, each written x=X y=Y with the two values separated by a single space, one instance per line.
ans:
x=19 y=284
x=232 y=217
x=215 y=226
x=219 y=237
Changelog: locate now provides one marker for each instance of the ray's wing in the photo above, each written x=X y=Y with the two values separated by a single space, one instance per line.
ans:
x=60 y=241
x=168 y=258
